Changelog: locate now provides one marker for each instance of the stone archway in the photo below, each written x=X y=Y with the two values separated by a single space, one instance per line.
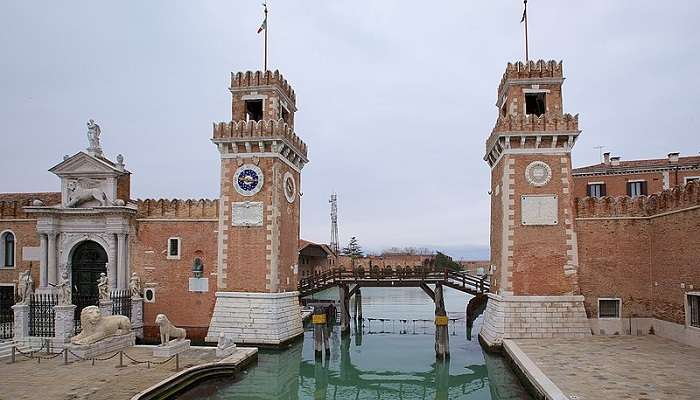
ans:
x=88 y=261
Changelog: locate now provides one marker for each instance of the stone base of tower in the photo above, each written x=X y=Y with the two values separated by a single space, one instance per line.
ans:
x=530 y=317
x=267 y=319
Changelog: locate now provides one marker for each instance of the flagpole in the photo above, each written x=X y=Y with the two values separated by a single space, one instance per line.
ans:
x=527 y=56
x=266 y=27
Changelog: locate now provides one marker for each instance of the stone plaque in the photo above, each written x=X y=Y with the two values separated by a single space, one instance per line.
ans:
x=199 y=284
x=247 y=213
x=539 y=209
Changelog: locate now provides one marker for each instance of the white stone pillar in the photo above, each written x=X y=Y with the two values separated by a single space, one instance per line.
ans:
x=105 y=307
x=51 y=259
x=43 y=260
x=112 y=262
x=64 y=327
x=21 y=321
x=121 y=261
x=137 y=316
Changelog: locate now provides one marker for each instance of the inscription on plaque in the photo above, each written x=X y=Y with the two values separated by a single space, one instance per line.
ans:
x=247 y=213
x=539 y=210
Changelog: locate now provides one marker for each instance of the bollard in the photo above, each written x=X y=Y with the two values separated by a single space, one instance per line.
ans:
x=177 y=362
x=93 y=361
x=65 y=356
x=14 y=348
x=148 y=364
x=121 y=359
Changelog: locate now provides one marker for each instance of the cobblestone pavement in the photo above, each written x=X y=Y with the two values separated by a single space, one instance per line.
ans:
x=51 y=379
x=618 y=367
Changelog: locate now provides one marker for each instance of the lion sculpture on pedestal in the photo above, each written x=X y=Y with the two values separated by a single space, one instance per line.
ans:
x=168 y=330
x=95 y=327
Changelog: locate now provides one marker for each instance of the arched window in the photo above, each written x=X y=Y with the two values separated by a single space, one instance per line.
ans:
x=8 y=249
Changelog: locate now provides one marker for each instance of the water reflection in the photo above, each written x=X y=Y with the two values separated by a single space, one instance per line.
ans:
x=377 y=365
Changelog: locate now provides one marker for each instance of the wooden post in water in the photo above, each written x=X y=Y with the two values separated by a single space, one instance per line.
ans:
x=358 y=304
x=344 y=310
x=319 y=320
x=442 y=337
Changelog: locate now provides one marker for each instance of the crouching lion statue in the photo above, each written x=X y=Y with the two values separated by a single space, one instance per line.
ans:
x=95 y=327
x=168 y=330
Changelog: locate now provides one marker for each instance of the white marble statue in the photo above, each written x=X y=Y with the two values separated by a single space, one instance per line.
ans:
x=26 y=287
x=225 y=342
x=64 y=292
x=78 y=194
x=135 y=285
x=168 y=330
x=93 y=136
x=95 y=327
x=103 y=287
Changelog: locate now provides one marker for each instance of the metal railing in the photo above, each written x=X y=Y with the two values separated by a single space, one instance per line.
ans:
x=121 y=302
x=42 y=315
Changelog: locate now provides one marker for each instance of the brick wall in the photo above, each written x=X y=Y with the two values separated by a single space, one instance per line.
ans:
x=642 y=250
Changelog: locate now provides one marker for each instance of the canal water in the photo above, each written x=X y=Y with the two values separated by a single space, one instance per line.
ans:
x=389 y=359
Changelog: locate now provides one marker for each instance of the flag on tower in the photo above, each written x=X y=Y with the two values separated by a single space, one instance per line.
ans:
x=524 y=13
x=263 y=26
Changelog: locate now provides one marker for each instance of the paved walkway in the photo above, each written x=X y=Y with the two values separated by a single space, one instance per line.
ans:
x=51 y=379
x=618 y=367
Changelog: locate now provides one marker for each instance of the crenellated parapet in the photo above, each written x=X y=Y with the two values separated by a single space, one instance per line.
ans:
x=248 y=79
x=532 y=70
x=177 y=209
x=678 y=198
x=260 y=138
x=533 y=123
x=12 y=204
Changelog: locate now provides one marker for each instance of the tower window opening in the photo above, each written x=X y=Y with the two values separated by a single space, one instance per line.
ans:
x=535 y=103
x=253 y=110
x=284 y=114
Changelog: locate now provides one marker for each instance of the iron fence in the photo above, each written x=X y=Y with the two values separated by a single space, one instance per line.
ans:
x=42 y=314
x=82 y=301
x=7 y=316
x=121 y=302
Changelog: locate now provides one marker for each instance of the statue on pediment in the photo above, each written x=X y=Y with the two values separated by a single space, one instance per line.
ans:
x=93 y=136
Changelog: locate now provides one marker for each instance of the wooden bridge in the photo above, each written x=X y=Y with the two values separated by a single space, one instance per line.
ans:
x=395 y=277
x=420 y=277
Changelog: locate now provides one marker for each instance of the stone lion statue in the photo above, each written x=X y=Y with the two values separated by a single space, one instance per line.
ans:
x=168 y=330
x=77 y=194
x=95 y=327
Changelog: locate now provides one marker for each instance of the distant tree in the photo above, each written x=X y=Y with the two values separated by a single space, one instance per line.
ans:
x=444 y=261
x=353 y=249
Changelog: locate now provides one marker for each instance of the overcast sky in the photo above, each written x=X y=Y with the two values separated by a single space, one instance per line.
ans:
x=396 y=98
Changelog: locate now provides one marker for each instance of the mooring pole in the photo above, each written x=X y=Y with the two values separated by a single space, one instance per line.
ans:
x=442 y=337
x=344 y=310
x=319 y=320
x=358 y=304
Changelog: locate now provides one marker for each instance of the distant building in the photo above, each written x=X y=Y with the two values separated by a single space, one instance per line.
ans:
x=614 y=177
x=478 y=267
x=315 y=258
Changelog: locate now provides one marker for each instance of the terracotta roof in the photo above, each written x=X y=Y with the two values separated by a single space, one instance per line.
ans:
x=49 y=198
x=633 y=165
x=304 y=243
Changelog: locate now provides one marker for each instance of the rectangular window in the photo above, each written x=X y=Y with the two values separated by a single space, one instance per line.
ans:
x=596 y=190
x=636 y=188
x=253 y=110
x=689 y=179
x=608 y=308
x=694 y=310
x=535 y=103
x=174 y=248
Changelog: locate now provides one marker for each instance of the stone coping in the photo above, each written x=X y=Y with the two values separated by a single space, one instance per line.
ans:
x=510 y=297
x=258 y=295
x=537 y=380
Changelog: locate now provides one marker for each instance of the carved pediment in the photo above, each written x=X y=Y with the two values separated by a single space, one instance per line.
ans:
x=88 y=181
x=85 y=165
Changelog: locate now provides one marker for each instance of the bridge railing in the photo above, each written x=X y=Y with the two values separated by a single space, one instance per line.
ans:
x=422 y=273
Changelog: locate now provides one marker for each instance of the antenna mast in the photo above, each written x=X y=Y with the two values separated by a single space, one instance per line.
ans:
x=334 y=223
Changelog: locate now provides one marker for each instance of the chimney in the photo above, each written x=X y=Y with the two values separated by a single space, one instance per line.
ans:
x=606 y=158
x=673 y=157
x=615 y=161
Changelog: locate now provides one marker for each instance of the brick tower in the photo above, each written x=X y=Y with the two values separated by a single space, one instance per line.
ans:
x=258 y=237
x=534 y=258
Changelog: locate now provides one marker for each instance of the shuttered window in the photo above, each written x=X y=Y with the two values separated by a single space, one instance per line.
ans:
x=694 y=310
x=8 y=250
x=174 y=248
x=636 y=188
x=596 y=190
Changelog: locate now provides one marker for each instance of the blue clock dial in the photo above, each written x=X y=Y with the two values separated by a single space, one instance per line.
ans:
x=248 y=180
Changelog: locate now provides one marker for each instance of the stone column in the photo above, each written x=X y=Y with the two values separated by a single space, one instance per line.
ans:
x=43 y=260
x=106 y=307
x=137 y=316
x=64 y=327
x=21 y=321
x=51 y=259
x=121 y=261
x=112 y=262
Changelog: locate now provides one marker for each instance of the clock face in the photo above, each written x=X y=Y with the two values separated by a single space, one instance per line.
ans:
x=290 y=187
x=248 y=179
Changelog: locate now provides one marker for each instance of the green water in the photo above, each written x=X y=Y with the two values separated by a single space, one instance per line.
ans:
x=390 y=360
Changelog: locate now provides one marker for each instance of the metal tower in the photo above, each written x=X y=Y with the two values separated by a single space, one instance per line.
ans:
x=334 y=223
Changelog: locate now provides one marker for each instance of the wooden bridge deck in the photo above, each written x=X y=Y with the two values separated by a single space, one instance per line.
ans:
x=399 y=277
